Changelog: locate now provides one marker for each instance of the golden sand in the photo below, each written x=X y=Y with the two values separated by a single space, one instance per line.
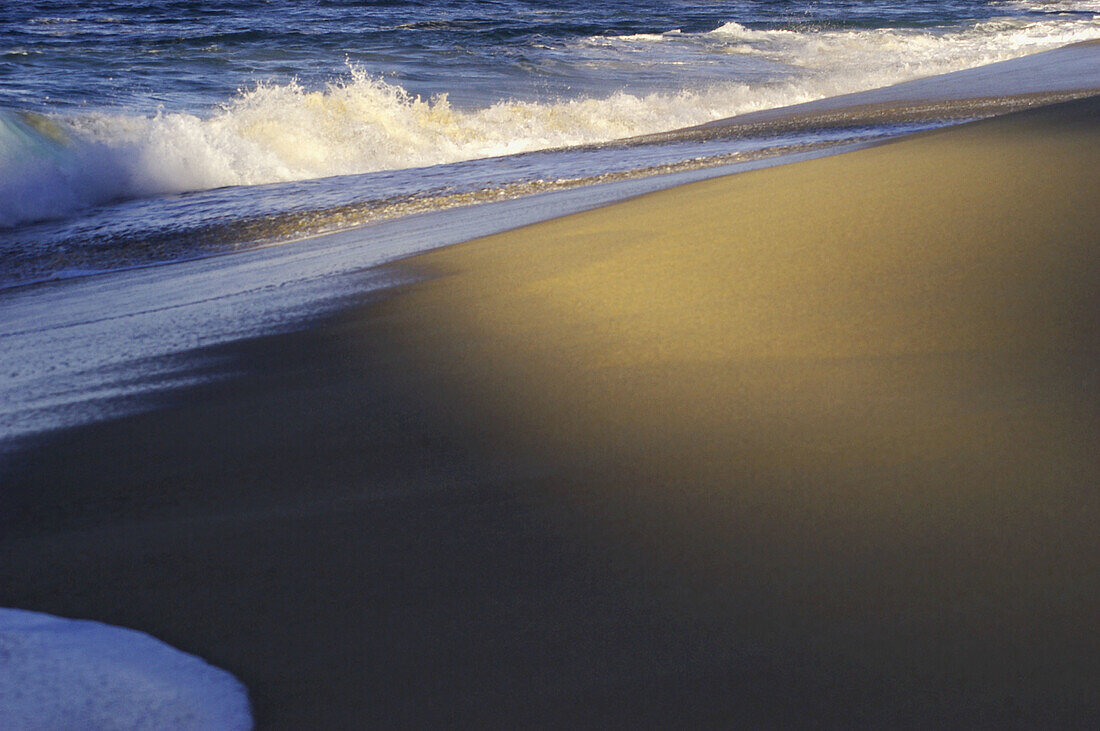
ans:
x=813 y=445
x=862 y=390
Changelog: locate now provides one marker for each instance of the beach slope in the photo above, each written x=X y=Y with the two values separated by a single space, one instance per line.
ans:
x=811 y=445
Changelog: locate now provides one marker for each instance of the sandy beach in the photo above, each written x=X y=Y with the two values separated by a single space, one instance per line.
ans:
x=810 y=445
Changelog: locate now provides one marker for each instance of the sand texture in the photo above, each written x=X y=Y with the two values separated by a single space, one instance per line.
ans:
x=812 y=445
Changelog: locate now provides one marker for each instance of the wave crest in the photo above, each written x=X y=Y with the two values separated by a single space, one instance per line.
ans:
x=50 y=168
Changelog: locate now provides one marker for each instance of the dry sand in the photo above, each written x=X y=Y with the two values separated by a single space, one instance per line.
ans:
x=808 y=445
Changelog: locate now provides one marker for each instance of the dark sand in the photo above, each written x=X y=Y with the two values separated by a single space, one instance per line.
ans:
x=814 y=445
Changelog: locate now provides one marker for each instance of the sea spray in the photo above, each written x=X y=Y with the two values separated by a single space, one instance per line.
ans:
x=360 y=123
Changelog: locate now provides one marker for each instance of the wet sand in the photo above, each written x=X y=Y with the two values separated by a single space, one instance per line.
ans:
x=813 y=445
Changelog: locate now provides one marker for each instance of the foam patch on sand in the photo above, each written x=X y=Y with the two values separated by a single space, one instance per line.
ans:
x=76 y=674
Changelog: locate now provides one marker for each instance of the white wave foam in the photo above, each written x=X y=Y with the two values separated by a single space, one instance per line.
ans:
x=359 y=124
x=655 y=37
x=76 y=674
x=1056 y=6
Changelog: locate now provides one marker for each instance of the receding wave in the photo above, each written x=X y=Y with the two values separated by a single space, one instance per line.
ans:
x=53 y=166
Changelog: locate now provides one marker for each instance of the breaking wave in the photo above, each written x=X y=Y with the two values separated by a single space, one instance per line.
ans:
x=51 y=166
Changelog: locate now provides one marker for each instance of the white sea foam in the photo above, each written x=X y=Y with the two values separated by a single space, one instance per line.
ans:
x=76 y=674
x=656 y=37
x=1056 y=6
x=359 y=124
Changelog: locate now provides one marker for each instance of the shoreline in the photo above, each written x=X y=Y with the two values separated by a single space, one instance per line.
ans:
x=1069 y=69
x=1045 y=77
x=731 y=163
x=60 y=376
x=714 y=453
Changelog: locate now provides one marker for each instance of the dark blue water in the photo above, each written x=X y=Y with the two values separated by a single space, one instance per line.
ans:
x=112 y=109
x=186 y=55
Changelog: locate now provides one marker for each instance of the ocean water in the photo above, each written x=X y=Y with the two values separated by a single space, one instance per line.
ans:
x=137 y=131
